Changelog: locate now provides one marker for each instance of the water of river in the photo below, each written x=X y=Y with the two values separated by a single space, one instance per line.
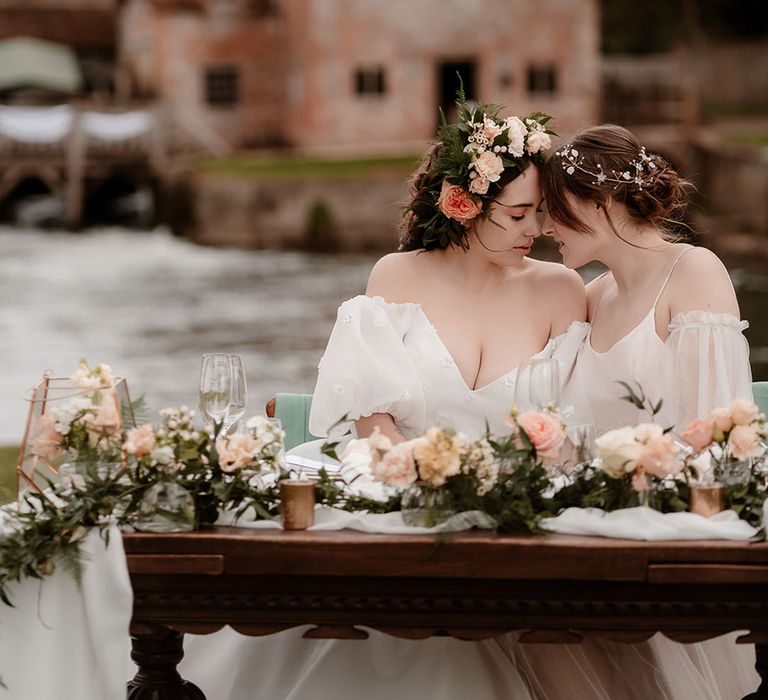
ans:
x=149 y=305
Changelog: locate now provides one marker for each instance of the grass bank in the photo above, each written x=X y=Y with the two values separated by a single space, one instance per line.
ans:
x=288 y=168
x=8 y=456
x=759 y=139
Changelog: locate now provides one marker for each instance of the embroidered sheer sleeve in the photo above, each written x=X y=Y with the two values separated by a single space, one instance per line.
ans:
x=366 y=368
x=707 y=367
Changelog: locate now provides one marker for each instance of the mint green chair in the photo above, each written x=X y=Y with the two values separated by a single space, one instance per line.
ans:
x=293 y=412
x=760 y=391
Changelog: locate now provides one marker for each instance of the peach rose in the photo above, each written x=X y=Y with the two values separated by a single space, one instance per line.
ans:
x=659 y=457
x=743 y=412
x=237 y=451
x=47 y=442
x=140 y=441
x=456 y=203
x=545 y=432
x=397 y=467
x=744 y=442
x=105 y=418
x=722 y=419
x=699 y=434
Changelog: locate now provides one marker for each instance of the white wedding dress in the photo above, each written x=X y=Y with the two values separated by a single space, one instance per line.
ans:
x=703 y=364
x=381 y=358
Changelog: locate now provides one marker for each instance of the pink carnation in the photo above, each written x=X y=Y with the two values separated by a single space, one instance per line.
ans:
x=699 y=434
x=456 y=203
x=47 y=442
x=237 y=451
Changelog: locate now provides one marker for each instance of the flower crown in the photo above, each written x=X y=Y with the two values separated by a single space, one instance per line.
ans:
x=639 y=171
x=475 y=152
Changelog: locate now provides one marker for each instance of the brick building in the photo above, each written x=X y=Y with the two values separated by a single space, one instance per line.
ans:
x=357 y=75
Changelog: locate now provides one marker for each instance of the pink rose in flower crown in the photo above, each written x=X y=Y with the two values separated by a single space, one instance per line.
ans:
x=658 y=455
x=743 y=412
x=456 y=203
x=47 y=442
x=477 y=184
x=538 y=141
x=699 y=434
x=396 y=467
x=490 y=129
x=744 y=442
x=545 y=432
x=140 y=441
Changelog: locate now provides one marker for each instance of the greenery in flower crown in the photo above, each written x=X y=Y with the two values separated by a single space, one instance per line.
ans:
x=478 y=154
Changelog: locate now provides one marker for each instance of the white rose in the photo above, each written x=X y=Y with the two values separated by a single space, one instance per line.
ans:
x=743 y=412
x=619 y=451
x=488 y=166
x=516 y=132
x=538 y=141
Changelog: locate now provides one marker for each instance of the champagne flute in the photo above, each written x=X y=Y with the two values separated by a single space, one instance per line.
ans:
x=544 y=384
x=215 y=386
x=237 y=395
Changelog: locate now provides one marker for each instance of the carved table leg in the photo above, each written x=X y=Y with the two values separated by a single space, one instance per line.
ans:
x=761 y=666
x=157 y=651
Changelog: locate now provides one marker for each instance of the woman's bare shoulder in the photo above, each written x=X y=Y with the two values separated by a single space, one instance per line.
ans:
x=393 y=275
x=561 y=287
x=701 y=282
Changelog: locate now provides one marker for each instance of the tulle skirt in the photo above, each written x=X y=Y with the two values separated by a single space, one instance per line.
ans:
x=284 y=666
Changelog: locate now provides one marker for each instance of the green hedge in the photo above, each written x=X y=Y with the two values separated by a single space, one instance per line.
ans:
x=8 y=457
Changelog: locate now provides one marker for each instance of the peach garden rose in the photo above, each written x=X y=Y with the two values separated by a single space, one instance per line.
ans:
x=456 y=203
x=545 y=432
x=699 y=434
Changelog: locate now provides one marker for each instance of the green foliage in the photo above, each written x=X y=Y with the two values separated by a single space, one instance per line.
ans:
x=320 y=234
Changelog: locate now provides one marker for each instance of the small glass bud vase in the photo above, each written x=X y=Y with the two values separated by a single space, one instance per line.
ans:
x=423 y=505
x=733 y=472
x=166 y=507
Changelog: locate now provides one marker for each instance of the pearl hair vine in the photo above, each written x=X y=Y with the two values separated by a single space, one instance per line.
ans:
x=640 y=171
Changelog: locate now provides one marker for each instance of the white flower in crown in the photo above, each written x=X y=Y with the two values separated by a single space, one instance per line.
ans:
x=644 y=166
x=516 y=133
x=488 y=166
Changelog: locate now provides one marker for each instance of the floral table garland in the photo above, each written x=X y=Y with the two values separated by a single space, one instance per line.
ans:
x=110 y=469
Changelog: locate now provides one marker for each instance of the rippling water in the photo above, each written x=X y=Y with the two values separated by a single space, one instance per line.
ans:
x=149 y=305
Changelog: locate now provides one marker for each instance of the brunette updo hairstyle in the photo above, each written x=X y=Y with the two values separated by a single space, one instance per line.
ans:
x=424 y=186
x=662 y=201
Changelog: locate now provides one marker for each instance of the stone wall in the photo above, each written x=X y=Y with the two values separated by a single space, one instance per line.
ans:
x=733 y=181
x=228 y=211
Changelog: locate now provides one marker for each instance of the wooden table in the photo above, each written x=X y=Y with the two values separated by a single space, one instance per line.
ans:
x=470 y=585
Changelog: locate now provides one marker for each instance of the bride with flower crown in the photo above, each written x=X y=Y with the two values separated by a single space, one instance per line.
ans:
x=437 y=339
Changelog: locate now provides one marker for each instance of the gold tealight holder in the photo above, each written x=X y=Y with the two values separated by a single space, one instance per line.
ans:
x=708 y=499
x=297 y=503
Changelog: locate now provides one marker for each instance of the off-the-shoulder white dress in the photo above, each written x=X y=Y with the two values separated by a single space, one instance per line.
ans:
x=381 y=357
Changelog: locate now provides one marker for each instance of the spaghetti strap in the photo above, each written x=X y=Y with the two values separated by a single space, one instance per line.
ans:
x=669 y=275
x=600 y=296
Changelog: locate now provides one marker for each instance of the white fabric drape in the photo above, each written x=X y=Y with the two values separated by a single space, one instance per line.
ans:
x=36 y=124
x=65 y=641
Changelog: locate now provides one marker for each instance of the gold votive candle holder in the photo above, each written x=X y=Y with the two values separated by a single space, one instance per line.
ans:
x=707 y=500
x=297 y=503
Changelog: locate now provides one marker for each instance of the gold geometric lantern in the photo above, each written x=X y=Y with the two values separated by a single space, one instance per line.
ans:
x=36 y=460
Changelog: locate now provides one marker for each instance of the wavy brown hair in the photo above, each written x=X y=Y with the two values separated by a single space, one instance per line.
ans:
x=662 y=201
x=424 y=188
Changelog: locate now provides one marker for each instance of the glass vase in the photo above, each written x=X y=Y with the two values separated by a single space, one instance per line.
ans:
x=166 y=507
x=733 y=472
x=426 y=506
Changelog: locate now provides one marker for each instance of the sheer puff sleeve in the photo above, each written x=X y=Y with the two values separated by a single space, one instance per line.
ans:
x=366 y=368
x=707 y=365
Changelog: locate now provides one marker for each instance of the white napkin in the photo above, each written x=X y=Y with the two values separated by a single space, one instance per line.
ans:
x=647 y=524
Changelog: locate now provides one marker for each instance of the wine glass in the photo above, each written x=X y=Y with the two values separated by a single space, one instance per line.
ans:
x=237 y=394
x=538 y=385
x=215 y=385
